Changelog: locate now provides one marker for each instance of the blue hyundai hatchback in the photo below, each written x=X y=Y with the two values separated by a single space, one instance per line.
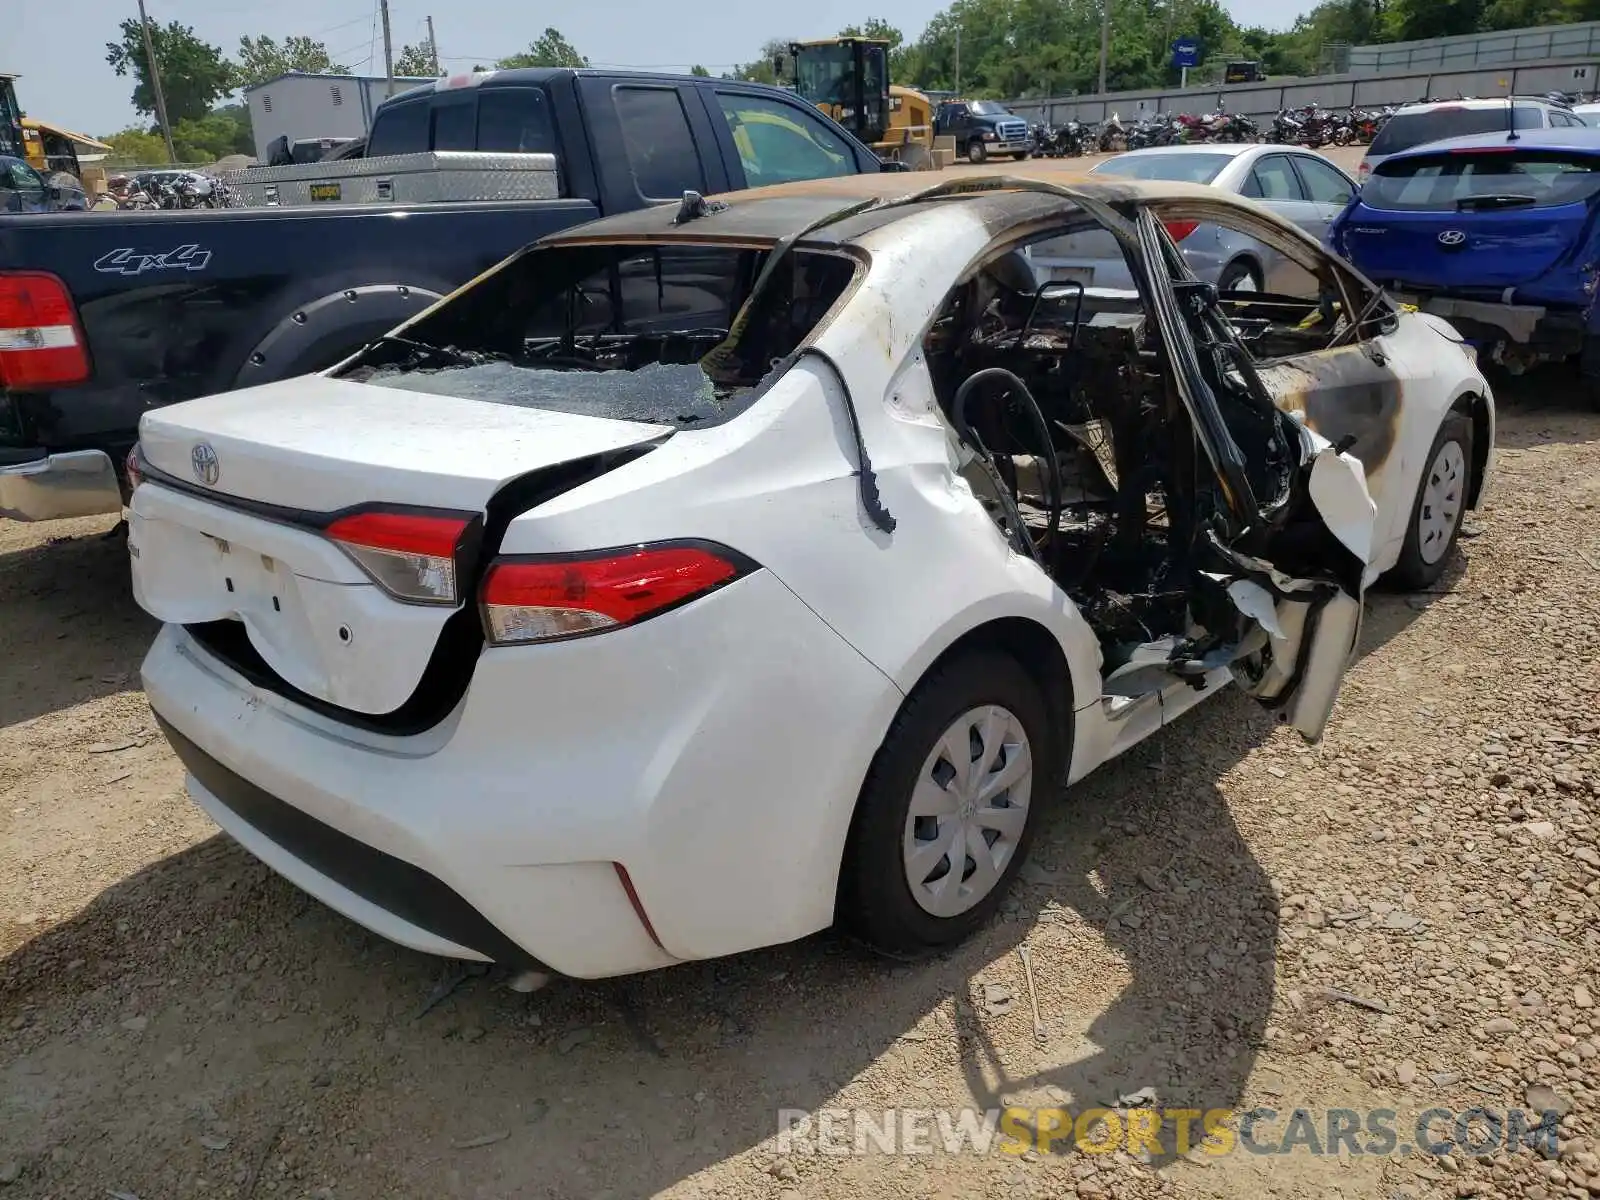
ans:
x=1496 y=233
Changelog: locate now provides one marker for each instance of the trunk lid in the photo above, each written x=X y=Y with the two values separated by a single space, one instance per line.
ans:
x=1473 y=220
x=236 y=519
x=319 y=444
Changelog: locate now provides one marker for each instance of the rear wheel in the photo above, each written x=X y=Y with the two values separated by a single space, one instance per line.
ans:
x=976 y=152
x=948 y=809
x=1440 y=505
x=1239 y=276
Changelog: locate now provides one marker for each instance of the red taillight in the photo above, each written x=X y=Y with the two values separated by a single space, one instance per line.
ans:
x=412 y=556
x=41 y=344
x=1364 y=169
x=541 y=599
x=1181 y=229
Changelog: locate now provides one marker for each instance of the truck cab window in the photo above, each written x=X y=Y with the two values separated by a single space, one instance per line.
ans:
x=19 y=180
x=780 y=143
x=400 y=129
x=455 y=125
x=661 y=149
x=515 y=121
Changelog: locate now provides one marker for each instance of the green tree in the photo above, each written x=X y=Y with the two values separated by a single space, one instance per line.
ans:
x=1416 y=19
x=136 y=147
x=194 y=74
x=697 y=69
x=761 y=70
x=263 y=58
x=221 y=132
x=416 y=61
x=549 y=49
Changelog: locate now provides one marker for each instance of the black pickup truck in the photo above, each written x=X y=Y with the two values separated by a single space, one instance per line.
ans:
x=103 y=316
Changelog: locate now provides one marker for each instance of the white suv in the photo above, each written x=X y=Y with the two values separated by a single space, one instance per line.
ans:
x=1416 y=124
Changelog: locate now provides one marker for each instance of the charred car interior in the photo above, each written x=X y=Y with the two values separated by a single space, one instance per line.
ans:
x=1090 y=457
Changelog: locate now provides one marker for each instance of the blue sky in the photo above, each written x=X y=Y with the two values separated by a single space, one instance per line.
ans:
x=60 y=52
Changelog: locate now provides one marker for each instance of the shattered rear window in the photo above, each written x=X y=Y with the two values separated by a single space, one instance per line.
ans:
x=626 y=332
x=658 y=393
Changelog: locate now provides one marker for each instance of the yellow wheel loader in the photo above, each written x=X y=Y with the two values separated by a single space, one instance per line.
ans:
x=848 y=78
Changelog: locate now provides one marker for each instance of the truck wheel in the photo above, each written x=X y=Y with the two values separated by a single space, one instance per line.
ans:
x=1440 y=504
x=948 y=808
x=976 y=152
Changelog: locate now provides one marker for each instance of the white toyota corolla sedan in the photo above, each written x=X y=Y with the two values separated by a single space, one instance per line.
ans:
x=703 y=576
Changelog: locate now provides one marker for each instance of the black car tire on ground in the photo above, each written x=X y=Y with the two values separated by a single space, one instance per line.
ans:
x=1413 y=569
x=1237 y=272
x=875 y=901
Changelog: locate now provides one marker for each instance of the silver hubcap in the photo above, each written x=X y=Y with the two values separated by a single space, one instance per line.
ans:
x=967 y=810
x=1442 y=494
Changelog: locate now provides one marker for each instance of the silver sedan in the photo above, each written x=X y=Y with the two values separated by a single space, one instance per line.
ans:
x=1299 y=185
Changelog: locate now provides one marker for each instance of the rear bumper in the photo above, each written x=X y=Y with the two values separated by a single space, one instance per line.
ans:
x=1554 y=332
x=78 y=483
x=717 y=757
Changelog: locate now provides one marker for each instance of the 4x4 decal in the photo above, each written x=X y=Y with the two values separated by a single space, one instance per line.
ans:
x=128 y=261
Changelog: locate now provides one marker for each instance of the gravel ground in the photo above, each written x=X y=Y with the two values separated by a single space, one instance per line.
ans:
x=175 y=1021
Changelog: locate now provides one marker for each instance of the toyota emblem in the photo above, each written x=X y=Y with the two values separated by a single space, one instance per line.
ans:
x=1452 y=237
x=203 y=459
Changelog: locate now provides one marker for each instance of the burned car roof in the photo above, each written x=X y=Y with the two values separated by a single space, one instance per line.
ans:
x=763 y=216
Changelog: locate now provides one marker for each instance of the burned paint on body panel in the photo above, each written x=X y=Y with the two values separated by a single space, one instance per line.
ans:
x=1342 y=393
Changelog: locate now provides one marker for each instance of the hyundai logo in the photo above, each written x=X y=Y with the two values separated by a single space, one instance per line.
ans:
x=1452 y=237
x=203 y=459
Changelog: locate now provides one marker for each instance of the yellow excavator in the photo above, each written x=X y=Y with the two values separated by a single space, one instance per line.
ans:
x=848 y=78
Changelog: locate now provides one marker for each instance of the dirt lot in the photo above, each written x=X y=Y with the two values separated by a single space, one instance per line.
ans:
x=175 y=1021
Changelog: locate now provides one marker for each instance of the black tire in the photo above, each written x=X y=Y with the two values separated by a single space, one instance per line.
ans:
x=1420 y=566
x=875 y=901
x=1239 y=271
x=977 y=152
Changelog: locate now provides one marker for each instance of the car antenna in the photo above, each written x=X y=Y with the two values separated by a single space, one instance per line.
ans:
x=1511 y=117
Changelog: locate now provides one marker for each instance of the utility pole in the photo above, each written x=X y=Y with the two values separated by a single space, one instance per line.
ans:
x=958 y=62
x=1105 y=41
x=388 y=48
x=155 y=83
x=433 y=47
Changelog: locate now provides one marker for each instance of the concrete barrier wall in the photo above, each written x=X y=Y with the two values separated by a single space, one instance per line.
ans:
x=1263 y=100
x=1474 y=51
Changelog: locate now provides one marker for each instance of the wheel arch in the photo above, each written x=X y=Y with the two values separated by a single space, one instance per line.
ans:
x=316 y=334
x=1477 y=408
x=1251 y=259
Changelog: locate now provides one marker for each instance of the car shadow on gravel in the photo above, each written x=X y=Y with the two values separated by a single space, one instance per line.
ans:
x=204 y=1002
x=71 y=630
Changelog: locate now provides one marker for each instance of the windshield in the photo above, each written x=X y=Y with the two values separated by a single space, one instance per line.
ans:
x=989 y=108
x=1491 y=178
x=1187 y=168
x=1406 y=130
x=628 y=332
x=824 y=74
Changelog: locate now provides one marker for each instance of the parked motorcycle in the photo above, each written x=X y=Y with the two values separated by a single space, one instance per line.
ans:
x=1072 y=139
x=1112 y=136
